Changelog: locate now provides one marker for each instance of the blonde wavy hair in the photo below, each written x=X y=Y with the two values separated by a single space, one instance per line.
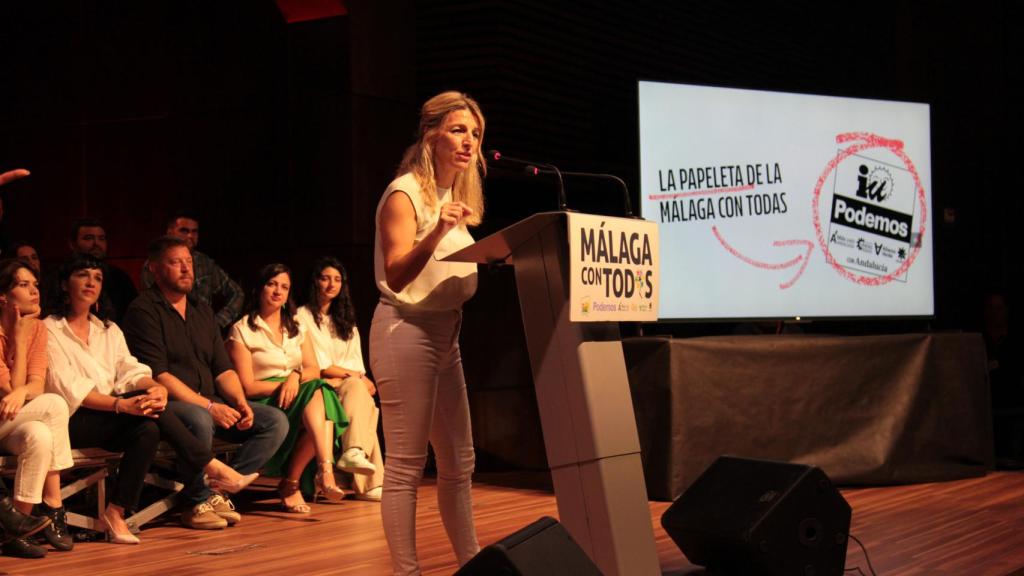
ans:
x=419 y=158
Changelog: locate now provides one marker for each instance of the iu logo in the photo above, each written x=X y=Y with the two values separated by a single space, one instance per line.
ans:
x=874 y=185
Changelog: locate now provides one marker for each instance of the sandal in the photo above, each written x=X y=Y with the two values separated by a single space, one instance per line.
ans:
x=287 y=488
x=330 y=491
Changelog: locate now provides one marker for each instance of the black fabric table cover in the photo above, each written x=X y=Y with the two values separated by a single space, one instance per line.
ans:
x=867 y=410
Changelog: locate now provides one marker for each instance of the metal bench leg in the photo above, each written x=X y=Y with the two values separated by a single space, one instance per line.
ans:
x=82 y=521
x=159 y=507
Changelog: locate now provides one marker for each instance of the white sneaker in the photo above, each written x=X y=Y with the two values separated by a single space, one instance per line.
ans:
x=371 y=495
x=354 y=461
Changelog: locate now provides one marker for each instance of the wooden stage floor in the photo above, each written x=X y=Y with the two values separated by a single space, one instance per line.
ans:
x=970 y=527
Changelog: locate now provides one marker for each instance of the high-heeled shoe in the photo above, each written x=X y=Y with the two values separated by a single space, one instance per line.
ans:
x=221 y=485
x=371 y=495
x=332 y=492
x=286 y=488
x=119 y=537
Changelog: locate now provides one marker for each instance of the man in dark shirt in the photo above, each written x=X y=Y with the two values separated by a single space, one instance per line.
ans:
x=179 y=339
x=212 y=284
x=88 y=236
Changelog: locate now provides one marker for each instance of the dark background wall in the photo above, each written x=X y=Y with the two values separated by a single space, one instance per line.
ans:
x=281 y=136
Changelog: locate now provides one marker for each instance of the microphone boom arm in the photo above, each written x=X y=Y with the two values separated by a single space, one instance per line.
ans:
x=625 y=189
x=563 y=206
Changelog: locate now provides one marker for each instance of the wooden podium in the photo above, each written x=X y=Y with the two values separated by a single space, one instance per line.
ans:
x=583 y=393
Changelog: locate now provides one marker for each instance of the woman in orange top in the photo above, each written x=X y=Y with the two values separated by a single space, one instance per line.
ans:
x=33 y=425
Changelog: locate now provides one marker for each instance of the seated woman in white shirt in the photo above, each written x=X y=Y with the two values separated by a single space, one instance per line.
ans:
x=115 y=403
x=329 y=319
x=277 y=366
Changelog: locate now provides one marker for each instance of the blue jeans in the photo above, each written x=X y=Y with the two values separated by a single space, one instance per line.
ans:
x=259 y=443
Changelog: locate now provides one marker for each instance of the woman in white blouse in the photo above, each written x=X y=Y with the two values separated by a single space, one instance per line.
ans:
x=115 y=403
x=329 y=319
x=277 y=366
x=423 y=216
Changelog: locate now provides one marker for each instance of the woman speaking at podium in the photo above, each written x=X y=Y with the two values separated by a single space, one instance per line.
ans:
x=414 y=338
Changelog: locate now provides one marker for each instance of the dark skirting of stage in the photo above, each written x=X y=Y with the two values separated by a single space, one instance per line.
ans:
x=870 y=410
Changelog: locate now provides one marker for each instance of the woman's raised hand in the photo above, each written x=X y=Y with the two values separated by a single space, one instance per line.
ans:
x=451 y=215
x=16 y=325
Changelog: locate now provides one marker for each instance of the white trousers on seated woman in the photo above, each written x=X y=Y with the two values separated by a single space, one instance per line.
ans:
x=363 y=416
x=39 y=436
x=418 y=367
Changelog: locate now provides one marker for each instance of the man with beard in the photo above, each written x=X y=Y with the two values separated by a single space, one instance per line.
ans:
x=179 y=339
x=212 y=284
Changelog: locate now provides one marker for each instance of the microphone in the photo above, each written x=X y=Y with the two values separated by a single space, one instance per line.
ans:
x=536 y=170
x=499 y=157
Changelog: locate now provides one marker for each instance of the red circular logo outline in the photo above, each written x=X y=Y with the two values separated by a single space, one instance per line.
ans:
x=869 y=140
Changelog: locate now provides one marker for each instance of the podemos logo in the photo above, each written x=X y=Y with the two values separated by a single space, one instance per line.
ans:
x=867 y=228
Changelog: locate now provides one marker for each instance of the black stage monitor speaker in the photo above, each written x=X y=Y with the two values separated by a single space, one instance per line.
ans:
x=758 y=517
x=542 y=548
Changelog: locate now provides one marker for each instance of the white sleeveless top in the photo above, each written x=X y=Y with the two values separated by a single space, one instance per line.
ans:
x=440 y=285
x=269 y=359
x=330 y=349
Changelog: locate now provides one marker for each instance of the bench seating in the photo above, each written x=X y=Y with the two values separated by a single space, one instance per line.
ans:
x=106 y=462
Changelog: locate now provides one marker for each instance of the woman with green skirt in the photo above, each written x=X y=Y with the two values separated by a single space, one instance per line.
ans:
x=277 y=366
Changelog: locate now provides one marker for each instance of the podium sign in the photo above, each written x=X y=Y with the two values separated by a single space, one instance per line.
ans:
x=613 y=269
